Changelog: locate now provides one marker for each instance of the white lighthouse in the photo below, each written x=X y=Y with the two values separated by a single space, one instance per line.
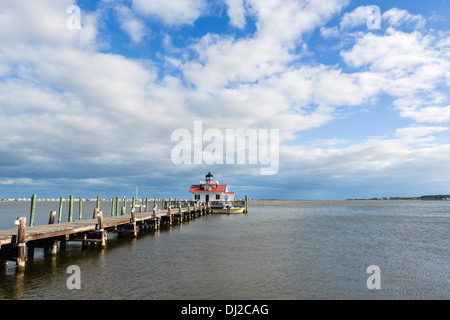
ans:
x=210 y=190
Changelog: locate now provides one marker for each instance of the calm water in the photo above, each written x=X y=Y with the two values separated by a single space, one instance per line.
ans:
x=280 y=250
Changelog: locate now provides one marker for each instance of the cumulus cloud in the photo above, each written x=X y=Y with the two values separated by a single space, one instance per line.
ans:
x=236 y=12
x=174 y=12
x=44 y=22
x=130 y=24
x=395 y=17
x=410 y=66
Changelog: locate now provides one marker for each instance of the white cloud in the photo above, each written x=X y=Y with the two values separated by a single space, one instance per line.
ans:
x=44 y=22
x=280 y=27
x=173 y=12
x=130 y=24
x=396 y=17
x=391 y=18
x=410 y=66
x=432 y=114
x=355 y=18
x=236 y=12
x=415 y=134
x=396 y=51
x=409 y=157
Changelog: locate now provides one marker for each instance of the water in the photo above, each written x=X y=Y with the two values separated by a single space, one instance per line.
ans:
x=280 y=250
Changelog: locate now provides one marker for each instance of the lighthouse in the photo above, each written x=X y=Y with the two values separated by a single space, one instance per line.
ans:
x=210 y=190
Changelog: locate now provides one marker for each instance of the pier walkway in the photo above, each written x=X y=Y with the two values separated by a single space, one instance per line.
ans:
x=13 y=242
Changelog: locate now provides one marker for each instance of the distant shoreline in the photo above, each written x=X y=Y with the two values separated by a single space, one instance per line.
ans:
x=428 y=197
x=422 y=198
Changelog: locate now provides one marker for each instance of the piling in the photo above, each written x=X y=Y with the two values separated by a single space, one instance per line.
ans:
x=101 y=229
x=70 y=208
x=112 y=207
x=51 y=219
x=80 y=208
x=32 y=210
x=133 y=222
x=98 y=203
x=60 y=209
x=117 y=206
x=54 y=243
x=20 y=242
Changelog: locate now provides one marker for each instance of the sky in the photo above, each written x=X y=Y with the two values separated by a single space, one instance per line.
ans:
x=346 y=99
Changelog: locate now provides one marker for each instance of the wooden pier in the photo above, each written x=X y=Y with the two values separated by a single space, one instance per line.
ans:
x=15 y=242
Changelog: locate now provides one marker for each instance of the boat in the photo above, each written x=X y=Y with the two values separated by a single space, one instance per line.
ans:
x=228 y=208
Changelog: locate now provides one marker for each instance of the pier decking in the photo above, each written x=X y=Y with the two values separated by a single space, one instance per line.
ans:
x=13 y=242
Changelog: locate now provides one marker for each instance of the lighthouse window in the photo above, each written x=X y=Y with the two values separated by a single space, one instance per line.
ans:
x=197 y=197
x=217 y=196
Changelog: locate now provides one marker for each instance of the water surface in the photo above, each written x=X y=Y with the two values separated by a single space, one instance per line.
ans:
x=279 y=250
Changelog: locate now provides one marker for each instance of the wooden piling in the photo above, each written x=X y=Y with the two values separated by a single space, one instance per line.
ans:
x=101 y=228
x=80 y=208
x=20 y=242
x=51 y=219
x=70 y=208
x=60 y=209
x=133 y=222
x=54 y=244
x=32 y=209
x=112 y=207
x=246 y=205
x=117 y=206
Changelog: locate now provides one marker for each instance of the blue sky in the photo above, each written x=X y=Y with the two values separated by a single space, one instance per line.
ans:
x=361 y=112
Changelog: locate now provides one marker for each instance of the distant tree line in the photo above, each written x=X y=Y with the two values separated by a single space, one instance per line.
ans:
x=429 y=197
x=436 y=197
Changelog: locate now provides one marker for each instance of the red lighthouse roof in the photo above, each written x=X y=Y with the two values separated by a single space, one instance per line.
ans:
x=214 y=188
x=209 y=185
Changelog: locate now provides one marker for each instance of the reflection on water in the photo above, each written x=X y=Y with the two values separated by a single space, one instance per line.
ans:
x=280 y=250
